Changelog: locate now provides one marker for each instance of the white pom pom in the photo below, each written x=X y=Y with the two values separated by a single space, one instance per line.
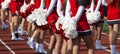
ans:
x=31 y=18
x=93 y=17
x=42 y=17
x=69 y=26
x=5 y=4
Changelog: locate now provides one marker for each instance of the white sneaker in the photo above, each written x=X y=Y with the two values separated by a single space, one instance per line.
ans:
x=22 y=32
x=53 y=51
x=40 y=50
x=31 y=44
x=115 y=52
x=100 y=47
x=4 y=26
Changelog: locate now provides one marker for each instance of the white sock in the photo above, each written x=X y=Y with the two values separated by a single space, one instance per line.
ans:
x=20 y=27
x=37 y=45
x=13 y=35
x=31 y=39
x=98 y=42
x=113 y=48
x=3 y=23
x=42 y=47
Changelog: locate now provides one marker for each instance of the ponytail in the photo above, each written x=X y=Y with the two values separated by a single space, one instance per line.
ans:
x=64 y=6
x=83 y=2
x=119 y=4
x=109 y=1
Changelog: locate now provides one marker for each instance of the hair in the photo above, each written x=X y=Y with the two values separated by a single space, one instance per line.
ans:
x=109 y=1
x=64 y=6
x=83 y=2
x=94 y=1
x=119 y=4
x=27 y=1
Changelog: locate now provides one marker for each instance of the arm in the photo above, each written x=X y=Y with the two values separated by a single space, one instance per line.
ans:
x=59 y=12
x=52 y=5
x=42 y=4
x=104 y=3
x=98 y=5
x=68 y=12
x=92 y=6
x=79 y=13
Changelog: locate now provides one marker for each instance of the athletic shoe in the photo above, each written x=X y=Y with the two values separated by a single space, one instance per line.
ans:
x=115 y=52
x=31 y=44
x=40 y=50
x=4 y=26
x=22 y=32
x=15 y=37
x=100 y=47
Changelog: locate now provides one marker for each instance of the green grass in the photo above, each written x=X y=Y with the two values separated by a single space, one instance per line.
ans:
x=105 y=25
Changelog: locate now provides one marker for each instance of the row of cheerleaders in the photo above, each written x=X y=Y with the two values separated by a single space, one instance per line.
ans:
x=68 y=22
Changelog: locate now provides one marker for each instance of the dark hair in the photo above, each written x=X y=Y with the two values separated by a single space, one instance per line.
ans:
x=83 y=2
x=27 y=1
x=119 y=4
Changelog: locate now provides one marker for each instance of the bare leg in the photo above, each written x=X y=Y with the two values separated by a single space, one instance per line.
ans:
x=89 y=43
x=52 y=42
x=58 y=44
x=113 y=33
x=76 y=45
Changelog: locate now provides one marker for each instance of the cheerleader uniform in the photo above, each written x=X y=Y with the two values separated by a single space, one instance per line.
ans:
x=113 y=13
x=52 y=18
x=20 y=3
x=29 y=9
x=13 y=7
x=37 y=3
x=1 y=3
x=82 y=24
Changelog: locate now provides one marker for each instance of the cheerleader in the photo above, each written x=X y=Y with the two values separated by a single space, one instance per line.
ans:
x=113 y=19
x=51 y=18
x=97 y=6
x=15 y=20
x=39 y=33
x=22 y=20
x=0 y=7
x=4 y=12
x=77 y=10
x=29 y=8
x=63 y=7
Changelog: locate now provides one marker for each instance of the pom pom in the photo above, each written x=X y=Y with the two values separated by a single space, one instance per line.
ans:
x=41 y=17
x=69 y=26
x=5 y=4
x=93 y=17
x=31 y=18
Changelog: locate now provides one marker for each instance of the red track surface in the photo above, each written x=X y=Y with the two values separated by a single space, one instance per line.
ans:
x=20 y=47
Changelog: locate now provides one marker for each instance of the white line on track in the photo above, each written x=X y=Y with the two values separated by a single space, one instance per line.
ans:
x=107 y=50
x=108 y=34
x=7 y=46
